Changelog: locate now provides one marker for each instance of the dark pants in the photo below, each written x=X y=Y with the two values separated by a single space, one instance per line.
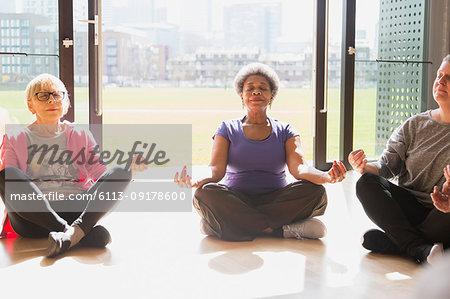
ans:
x=398 y=212
x=235 y=216
x=42 y=217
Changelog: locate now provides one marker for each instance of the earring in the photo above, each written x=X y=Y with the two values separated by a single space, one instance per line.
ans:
x=243 y=107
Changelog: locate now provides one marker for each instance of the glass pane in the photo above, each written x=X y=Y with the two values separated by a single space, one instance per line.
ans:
x=29 y=39
x=389 y=91
x=365 y=104
x=174 y=62
x=366 y=43
x=334 y=79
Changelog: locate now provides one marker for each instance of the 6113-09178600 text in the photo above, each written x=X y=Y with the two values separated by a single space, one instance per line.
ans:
x=135 y=196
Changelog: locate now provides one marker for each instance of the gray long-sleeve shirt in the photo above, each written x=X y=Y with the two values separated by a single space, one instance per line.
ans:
x=416 y=154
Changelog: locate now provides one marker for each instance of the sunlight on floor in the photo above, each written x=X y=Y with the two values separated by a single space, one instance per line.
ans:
x=397 y=276
x=156 y=255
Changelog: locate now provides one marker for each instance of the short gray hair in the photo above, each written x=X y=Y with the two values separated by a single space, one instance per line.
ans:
x=42 y=80
x=258 y=69
x=446 y=58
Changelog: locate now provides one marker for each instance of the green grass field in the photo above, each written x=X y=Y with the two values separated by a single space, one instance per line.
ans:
x=205 y=108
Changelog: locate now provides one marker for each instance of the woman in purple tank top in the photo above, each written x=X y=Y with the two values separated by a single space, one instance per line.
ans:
x=251 y=154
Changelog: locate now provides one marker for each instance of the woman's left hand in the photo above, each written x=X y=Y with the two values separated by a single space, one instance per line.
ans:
x=441 y=200
x=336 y=173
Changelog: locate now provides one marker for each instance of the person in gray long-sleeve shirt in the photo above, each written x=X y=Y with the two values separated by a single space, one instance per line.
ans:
x=416 y=155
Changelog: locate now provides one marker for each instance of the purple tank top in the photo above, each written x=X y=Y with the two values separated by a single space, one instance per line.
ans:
x=256 y=167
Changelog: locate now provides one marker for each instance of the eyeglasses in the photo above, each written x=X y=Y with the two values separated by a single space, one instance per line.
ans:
x=44 y=96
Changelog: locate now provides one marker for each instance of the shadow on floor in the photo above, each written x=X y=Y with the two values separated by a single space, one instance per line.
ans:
x=18 y=250
x=242 y=257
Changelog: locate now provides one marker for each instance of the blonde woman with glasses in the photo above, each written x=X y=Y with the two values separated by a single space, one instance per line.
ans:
x=30 y=173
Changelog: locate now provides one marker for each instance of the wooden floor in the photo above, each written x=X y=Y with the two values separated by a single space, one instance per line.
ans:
x=163 y=255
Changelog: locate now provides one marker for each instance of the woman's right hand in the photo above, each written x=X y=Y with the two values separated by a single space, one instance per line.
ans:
x=358 y=161
x=183 y=180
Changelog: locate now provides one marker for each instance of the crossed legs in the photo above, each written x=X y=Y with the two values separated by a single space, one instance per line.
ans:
x=37 y=218
x=412 y=227
x=235 y=216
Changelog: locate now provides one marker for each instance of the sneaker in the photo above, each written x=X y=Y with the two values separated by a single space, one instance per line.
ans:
x=377 y=241
x=436 y=252
x=310 y=228
x=427 y=253
x=58 y=243
x=98 y=237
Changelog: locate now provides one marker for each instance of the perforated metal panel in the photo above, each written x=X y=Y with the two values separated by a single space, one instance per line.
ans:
x=401 y=85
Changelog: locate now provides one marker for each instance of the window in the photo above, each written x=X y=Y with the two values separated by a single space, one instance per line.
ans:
x=23 y=32
x=196 y=51
x=14 y=23
x=111 y=42
x=111 y=61
x=111 y=51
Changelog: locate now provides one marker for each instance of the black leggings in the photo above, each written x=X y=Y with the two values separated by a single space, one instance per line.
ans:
x=40 y=217
x=398 y=212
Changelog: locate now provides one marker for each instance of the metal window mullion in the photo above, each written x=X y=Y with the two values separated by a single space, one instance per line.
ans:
x=66 y=67
x=95 y=119
x=347 y=81
x=320 y=119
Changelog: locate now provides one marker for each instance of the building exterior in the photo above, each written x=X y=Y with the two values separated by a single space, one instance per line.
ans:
x=130 y=12
x=149 y=53
x=252 y=25
x=294 y=70
x=48 y=8
x=129 y=58
x=162 y=34
x=212 y=67
x=34 y=38
x=216 y=67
